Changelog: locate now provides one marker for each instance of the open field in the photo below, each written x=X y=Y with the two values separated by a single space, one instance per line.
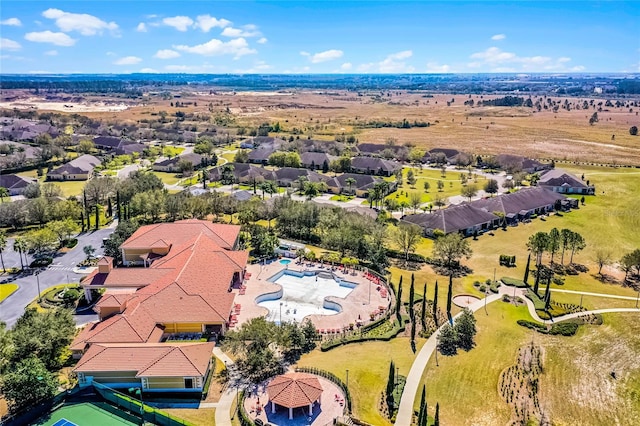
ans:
x=69 y=188
x=478 y=130
x=195 y=416
x=368 y=365
x=574 y=389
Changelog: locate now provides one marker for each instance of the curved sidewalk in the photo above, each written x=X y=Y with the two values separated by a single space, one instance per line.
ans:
x=414 y=378
x=225 y=403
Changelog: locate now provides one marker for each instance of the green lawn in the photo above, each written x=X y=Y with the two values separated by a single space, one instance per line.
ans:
x=368 y=365
x=7 y=290
x=69 y=188
x=342 y=198
x=195 y=416
x=168 y=178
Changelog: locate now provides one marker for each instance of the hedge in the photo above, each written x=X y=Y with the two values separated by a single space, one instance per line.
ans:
x=514 y=282
x=413 y=257
x=332 y=377
x=566 y=328
x=334 y=343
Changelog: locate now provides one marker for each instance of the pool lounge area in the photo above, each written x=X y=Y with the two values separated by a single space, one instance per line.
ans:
x=333 y=299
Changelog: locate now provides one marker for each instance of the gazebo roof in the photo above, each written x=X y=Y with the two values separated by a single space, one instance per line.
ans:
x=294 y=390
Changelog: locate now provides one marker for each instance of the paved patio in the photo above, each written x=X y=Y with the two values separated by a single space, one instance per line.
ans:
x=365 y=300
x=258 y=406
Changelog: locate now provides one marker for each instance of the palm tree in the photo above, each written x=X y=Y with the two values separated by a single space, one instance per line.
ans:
x=3 y=244
x=349 y=181
x=20 y=246
x=4 y=192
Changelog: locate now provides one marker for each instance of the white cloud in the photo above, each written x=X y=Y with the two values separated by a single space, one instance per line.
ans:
x=262 y=40
x=257 y=68
x=249 y=30
x=83 y=23
x=51 y=53
x=128 y=60
x=166 y=54
x=12 y=22
x=206 y=22
x=141 y=28
x=496 y=60
x=180 y=23
x=303 y=53
x=237 y=47
x=192 y=68
x=59 y=39
x=327 y=55
x=346 y=66
x=149 y=71
x=436 y=68
x=579 y=68
x=498 y=37
x=8 y=44
x=394 y=63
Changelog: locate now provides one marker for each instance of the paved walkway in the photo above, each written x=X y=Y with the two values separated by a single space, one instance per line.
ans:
x=612 y=296
x=414 y=378
x=225 y=403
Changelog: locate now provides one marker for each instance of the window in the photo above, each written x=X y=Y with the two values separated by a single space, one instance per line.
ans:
x=188 y=383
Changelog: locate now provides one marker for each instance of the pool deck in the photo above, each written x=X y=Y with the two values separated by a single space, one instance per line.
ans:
x=355 y=307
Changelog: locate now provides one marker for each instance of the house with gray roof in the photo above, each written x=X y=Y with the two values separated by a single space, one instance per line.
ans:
x=563 y=182
x=15 y=184
x=374 y=166
x=516 y=163
x=316 y=160
x=260 y=155
x=360 y=187
x=242 y=173
x=289 y=176
x=171 y=164
x=117 y=145
x=80 y=168
x=463 y=218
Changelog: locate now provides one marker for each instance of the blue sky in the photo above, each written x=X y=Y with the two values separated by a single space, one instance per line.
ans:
x=319 y=37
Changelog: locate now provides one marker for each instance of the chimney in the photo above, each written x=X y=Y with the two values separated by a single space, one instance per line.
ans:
x=105 y=265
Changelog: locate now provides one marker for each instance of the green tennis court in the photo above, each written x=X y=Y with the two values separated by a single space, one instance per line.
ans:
x=87 y=414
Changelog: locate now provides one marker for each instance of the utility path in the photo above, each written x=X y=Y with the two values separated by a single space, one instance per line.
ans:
x=414 y=378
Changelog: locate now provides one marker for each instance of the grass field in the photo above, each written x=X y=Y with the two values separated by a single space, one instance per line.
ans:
x=575 y=386
x=368 y=365
x=196 y=416
x=168 y=178
x=7 y=290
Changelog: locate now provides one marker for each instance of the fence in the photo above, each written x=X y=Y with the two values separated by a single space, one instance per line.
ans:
x=332 y=377
x=30 y=414
x=132 y=405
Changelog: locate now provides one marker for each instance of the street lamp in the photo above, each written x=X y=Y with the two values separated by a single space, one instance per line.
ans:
x=38 y=282
x=280 y=313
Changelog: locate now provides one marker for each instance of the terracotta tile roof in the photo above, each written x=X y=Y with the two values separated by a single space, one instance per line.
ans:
x=127 y=277
x=109 y=300
x=148 y=360
x=185 y=307
x=294 y=390
x=182 y=231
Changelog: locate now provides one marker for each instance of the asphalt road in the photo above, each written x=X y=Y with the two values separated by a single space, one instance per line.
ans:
x=59 y=272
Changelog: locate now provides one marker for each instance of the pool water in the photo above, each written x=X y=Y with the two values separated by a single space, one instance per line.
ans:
x=285 y=261
x=302 y=296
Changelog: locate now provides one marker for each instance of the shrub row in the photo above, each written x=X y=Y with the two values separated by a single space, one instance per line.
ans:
x=566 y=328
x=514 y=282
x=413 y=257
x=506 y=260
x=334 y=343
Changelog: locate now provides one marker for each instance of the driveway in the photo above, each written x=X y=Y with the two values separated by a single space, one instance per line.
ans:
x=59 y=272
x=124 y=172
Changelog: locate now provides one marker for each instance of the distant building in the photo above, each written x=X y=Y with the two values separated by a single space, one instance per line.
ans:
x=316 y=160
x=463 y=218
x=171 y=164
x=260 y=155
x=516 y=163
x=374 y=166
x=80 y=168
x=117 y=145
x=558 y=180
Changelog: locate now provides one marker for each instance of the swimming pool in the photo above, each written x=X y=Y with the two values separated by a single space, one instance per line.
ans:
x=285 y=261
x=304 y=293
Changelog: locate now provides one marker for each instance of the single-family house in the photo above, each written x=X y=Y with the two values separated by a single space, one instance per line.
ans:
x=262 y=141
x=242 y=173
x=517 y=163
x=441 y=155
x=289 y=176
x=151 y=367
x=80 y=168
x=117 y=145
x=374 y=166
x=260 y=155
x=463 y=218
x=563 y=182
x=377 y=149
x=316 y=160
x=171 y=164
x=15 y=184
x=358 y=184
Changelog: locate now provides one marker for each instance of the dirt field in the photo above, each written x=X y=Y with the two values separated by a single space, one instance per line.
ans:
x=479 y=130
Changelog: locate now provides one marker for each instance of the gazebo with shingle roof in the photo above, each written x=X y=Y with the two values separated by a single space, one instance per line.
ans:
x=293 y=390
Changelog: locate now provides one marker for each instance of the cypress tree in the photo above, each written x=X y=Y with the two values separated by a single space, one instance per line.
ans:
x=423 y=407
x=547 y=295
x=391 y=383
x=109 y=208
x=399 y=302
x=411 y=299
x=423 y=316
x=535 y=286
x=82 y=220
x=97 y=218
x=449 y=300
x=526 y=270
x=435 y=305
x=436 y=419
x=118 y=205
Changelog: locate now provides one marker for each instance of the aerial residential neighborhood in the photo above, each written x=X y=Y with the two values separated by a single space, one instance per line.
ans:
x=319 y=213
